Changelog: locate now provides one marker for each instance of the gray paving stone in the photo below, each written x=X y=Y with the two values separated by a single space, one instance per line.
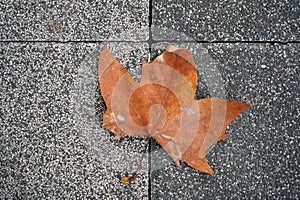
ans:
x=259 y=160
x=52 y=143
x=73 y=20
x=228 y=20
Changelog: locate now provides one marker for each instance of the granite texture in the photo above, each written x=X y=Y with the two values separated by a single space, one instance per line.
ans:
x=53 y=145
x=260 y=158
x=228 y=20
x=74 y=20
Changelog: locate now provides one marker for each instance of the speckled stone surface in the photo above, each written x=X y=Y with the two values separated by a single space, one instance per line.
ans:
x=52 y=144
x=216 y=20
x=73 y=20
x=260 y=159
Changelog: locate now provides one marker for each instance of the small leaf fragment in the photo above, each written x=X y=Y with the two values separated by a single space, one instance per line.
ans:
x=126 y=179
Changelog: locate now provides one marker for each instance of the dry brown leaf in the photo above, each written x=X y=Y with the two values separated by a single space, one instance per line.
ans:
x=162 y=106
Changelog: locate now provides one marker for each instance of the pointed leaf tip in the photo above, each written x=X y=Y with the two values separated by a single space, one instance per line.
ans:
x=202 y=165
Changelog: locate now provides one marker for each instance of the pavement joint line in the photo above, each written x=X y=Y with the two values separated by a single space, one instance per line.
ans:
x=154 y=41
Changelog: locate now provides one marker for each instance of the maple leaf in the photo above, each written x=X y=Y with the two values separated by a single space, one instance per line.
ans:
x=162 y=106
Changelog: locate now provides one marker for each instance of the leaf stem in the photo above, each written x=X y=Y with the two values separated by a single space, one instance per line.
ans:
x=143 y=155
x=126 y=179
